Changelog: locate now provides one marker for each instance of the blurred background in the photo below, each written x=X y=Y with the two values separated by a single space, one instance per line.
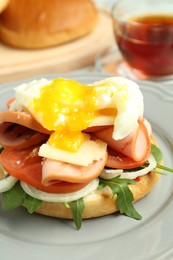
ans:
x=25 y=51
x=57 y=37
x=107 y=3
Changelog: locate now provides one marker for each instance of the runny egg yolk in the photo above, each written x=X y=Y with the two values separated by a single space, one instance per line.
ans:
x=65 y=107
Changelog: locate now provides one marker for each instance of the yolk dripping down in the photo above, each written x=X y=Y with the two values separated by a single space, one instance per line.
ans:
x=66 y=107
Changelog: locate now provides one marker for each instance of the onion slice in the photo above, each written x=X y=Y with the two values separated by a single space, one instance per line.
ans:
x=66 y=197
x=7 y=183
x=110 y=174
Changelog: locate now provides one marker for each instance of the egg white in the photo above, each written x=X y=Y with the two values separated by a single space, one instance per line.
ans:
x=25 y=94
x=126 y=96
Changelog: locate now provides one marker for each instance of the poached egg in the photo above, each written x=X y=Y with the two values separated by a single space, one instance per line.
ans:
x=67 y=107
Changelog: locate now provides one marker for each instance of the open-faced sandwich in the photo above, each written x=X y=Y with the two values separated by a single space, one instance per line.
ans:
x=77 y=151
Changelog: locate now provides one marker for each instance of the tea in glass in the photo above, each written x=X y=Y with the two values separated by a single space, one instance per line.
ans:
x=144 y=35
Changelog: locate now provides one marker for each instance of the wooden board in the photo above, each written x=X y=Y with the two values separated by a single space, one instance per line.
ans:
x=17 y=64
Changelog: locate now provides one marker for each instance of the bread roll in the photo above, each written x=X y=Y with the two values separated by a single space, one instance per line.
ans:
x=38 y=24
x=3 y=4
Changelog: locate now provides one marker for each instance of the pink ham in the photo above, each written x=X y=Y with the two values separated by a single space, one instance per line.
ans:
x=135 y=146
x=20 y=130
x=18 y=136
x=54 y=171
x=22 y=118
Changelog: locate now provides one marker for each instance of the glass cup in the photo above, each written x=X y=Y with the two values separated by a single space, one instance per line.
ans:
x=144 y=35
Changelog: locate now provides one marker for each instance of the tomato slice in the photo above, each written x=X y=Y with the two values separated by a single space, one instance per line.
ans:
x=119 y=161
x=27 y=167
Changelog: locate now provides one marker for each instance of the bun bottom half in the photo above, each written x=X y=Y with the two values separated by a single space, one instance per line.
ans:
x=100 y=202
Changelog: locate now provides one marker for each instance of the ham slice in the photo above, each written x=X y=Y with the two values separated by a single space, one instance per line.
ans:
x=20 y=130
x=18 y=136
x=135 y=146
x=22 y=118
x=54 y=171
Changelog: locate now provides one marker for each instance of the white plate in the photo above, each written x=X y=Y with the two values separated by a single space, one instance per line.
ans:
x=24 y=236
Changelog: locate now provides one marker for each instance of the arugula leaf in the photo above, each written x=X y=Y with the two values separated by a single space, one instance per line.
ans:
x=77 y=208
x=16 y=197
x=66 y=204
x=31 y=204
x=124 y=195
x=164 y=168
x=13 y=198
x=157 y=153
x=1 y=149
x=159 y=172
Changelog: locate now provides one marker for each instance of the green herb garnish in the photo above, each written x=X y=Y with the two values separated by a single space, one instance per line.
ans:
x=1 y=149
x=125 y=197
x=66 y=204
x=164 y=168
x=77 y=208
x=31 y=204
x=157 y=153
x=16 y=197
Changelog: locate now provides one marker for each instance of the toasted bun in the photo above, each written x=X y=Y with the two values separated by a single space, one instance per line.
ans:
x=38 y=24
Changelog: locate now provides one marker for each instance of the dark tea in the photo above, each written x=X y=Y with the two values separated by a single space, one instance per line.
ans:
x=146 y=43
